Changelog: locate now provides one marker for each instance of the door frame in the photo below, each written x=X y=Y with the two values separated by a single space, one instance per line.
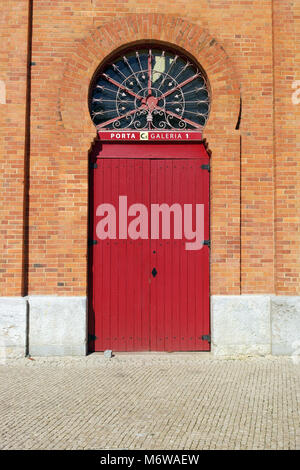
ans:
x=103 y=149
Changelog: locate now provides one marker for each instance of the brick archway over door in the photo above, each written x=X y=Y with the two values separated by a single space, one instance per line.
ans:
x=220 y=132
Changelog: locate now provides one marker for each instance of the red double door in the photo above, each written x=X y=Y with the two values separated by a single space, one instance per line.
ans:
x=149 y=294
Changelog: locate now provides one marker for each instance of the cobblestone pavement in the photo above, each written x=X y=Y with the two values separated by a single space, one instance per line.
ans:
x=155 y=401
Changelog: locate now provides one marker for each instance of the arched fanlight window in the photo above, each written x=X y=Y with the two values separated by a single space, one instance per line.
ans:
x=149 y=88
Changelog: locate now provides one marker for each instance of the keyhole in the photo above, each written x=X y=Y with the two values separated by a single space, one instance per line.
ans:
x=154 y=272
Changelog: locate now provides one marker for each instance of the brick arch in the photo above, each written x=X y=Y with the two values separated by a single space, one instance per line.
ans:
x=106 y=39
x=220 y=130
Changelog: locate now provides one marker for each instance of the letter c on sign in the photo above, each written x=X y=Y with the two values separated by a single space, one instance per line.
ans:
x=144 y=136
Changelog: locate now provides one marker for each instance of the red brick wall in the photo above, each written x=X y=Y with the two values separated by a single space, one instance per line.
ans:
x=254 y=169
x=13 y=72
x=287 y=145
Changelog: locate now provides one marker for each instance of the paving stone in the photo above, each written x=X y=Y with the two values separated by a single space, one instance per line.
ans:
x=145 y=401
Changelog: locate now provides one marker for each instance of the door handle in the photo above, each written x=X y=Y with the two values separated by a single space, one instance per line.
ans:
x=154 y=272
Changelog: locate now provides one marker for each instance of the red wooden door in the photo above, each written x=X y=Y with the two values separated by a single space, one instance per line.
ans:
x=149 y=294
x=121 y=297
x=179 y=299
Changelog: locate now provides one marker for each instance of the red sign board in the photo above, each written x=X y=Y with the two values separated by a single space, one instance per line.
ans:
x=157 y=136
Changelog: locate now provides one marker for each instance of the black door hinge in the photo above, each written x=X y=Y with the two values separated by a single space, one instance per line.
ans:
x=206 y=242
x=92 y=337
x=206 y=167
x=206 y=338
x=92 y=242
x=93 y=165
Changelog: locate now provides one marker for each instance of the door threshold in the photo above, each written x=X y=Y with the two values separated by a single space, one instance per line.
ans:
x=152 y=353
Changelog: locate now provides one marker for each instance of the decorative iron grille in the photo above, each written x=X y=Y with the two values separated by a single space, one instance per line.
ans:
x=150 y=89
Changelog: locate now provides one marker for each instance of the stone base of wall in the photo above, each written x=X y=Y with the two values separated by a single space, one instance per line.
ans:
x=285 y=325
x=57 y=326
x=255 y=324
x=240 y=325
x=13 y=327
